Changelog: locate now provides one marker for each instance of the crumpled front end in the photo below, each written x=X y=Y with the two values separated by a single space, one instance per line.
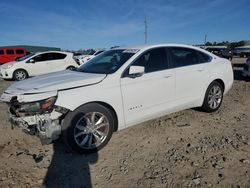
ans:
x=41 y=118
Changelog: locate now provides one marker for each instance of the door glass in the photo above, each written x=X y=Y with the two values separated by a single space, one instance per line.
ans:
x=1 y=52
x=153 y=60
x=56 y=56
x=19 y=52
x=9 y=52
x=42 y=57
x=204 y=58
x=183 y=56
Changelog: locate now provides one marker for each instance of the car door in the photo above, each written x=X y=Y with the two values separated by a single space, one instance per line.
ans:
x=38 y=64
x=151 y=94
x=57 y=62
x=191 y=75
x=10 y=56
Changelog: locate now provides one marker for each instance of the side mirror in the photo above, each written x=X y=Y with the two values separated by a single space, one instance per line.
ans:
x=31 y=61
x=136 y=71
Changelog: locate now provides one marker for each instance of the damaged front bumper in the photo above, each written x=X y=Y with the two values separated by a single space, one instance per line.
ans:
x=41 y=117
x=46 y=126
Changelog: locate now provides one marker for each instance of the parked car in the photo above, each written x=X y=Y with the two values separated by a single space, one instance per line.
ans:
x=243 y=51
x=84 y=58
x=37 y=64
x=11 y=54
x=216 y=50
x=227 y=53
x=246 y=69
x=117 y=89
x=221 y=52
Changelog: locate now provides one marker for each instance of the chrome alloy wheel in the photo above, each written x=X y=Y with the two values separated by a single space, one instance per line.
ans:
x=91 y=130
x=214 y=97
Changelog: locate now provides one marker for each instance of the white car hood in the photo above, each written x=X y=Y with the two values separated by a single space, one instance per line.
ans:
x=9 y=63
x=55 y=81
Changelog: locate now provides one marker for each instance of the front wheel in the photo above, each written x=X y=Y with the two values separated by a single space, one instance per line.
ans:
x=20 y=74
x=88 y=128
x=213 y=97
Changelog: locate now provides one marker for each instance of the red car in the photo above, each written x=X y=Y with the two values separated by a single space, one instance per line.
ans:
x=11 y=54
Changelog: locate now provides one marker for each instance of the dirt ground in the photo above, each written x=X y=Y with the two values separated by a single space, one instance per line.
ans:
x=184 y=149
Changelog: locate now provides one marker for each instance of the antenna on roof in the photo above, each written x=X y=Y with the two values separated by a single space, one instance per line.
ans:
x=146 y=30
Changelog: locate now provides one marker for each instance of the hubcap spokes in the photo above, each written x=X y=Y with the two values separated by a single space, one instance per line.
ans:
x=91 y=130
x=214 y=97
x=20 y=75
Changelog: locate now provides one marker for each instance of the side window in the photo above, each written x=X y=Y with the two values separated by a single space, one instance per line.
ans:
x=1 y=52
x=183 y=56
x=204 y=58
x=19 y=52
x=9 y=52
x=42 y=57
x=56 y=56
x=153 y=60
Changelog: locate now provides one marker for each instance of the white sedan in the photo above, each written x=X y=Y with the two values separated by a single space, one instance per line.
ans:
x=37 y=64
x=115 y=90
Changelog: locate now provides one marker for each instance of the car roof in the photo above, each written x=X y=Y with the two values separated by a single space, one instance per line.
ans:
x=54 y=52
x=9 y=48
x=150 y=46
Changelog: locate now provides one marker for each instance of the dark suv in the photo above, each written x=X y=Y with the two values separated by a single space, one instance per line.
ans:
x=221 y=52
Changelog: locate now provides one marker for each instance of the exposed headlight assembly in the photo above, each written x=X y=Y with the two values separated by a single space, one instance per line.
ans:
x=45 y=105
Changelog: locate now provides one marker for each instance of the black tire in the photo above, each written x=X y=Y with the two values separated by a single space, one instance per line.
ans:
x=207 y=106
x=78 y=118
x=20 y=74
x=70 y=68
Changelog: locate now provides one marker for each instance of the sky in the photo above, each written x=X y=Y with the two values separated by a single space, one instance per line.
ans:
x=81 y=24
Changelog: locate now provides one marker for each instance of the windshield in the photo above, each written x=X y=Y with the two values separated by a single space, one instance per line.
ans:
x=25 y=57
x=107 y=62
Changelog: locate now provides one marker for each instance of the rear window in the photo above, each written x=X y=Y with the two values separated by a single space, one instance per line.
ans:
x=9 y=52
x=204 y=57
x=1 y=52
x=19 y=52
x=56 y=56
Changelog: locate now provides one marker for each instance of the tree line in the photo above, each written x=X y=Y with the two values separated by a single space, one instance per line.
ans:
x=227 y=43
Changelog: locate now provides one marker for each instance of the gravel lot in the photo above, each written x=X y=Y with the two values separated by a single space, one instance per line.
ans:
x=184 y=149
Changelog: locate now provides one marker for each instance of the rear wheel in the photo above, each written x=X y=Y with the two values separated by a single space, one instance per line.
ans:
x=213 y=98
x=20 y=74
x=88 y=128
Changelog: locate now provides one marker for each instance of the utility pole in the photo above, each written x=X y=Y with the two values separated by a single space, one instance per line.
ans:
x=205 y=40
x=146 y=30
